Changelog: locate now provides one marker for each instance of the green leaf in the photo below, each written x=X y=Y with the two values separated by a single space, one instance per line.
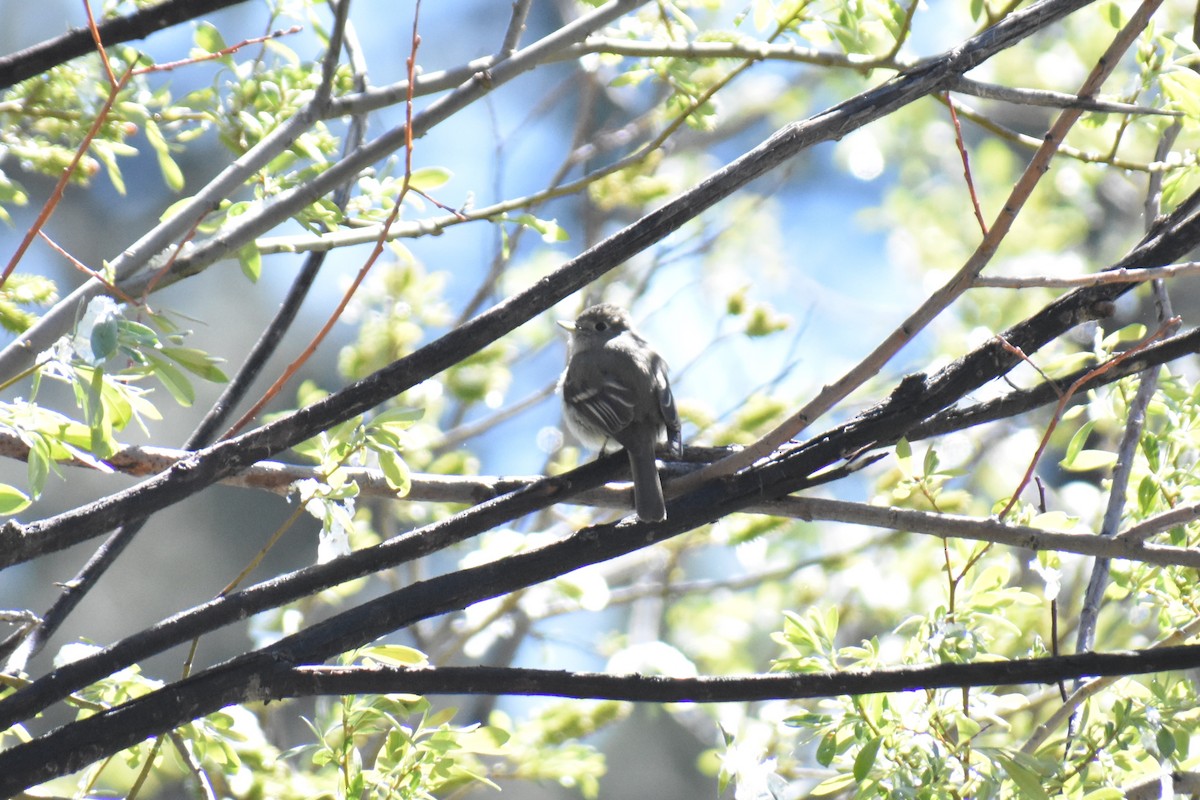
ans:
x=549 y=229
x=1026 y=779
x=1146 y=492
x=12 y=500
x=103 y=340
x=132 y=332
x=1166 y=743
x=208 y=38
x=1087 y=460
x=1182 y=88
x=1179 y=184
x=427 y=179
x=835 y=785
x=395 y=471
x=172 y=174
x=197 y=362
x=402 y=417
x=172 y=379
x=250 y=260
x=1130 y=334
x=1077 y=442
x=40 y=459
x=1107 y=793
x=866 y=758
x=396 y=655
x=1114 y=16
x=827 y=749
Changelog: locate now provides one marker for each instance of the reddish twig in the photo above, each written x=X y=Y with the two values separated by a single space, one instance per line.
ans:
x=438 y=203
x=86 y=270
x=966 y=160
x=115 y=87
x=184 y=62
x=87 y=9
x=316 y=341
x=1019 y=353
x=1066 y=396
x=68 y=171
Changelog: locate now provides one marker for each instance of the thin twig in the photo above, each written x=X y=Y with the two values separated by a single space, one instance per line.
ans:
x=56 y=194
x=1100 y=369
x=1089 y=611
x=1142 y=275
x=966 y=162
x=294 y=367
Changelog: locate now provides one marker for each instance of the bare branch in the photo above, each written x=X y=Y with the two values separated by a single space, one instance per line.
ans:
x=261 y=679
x=35 y=60
x=1111 y=276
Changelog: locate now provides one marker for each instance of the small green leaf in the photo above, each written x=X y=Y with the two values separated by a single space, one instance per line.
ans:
x=1087 y=460
x=395 y=471
x=172 y=174
x=1077 y=442
x=104 y=339
x=1107 y=793
x=251 y=261
x=549 y=229
x=1130 y=334
x=827 y=749
x=831 y=786
x=12 y=500
x=208 y=38
x=866 y=758
x=1166 y=743
x=1179 y=184
x=40 y=459
x=172 y=379
x=133 y=332
x=1026 y=779
x=427 y=179
x=1146 y=492
x=396 y=655
x=1114 y=16
x=1182 y=88
x=197 y=362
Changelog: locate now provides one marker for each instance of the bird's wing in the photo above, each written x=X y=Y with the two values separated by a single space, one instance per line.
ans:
x=602 y=398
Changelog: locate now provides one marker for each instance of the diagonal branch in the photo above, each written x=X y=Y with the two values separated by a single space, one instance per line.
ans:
x=308 y=681
x=39 y=58
x=73 y=746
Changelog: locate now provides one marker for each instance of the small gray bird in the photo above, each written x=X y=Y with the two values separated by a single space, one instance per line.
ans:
x=615 y=388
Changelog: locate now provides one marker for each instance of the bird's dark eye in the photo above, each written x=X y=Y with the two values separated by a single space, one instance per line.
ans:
x=601 y=326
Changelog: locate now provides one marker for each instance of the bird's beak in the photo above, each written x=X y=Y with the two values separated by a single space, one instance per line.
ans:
x=567 y=324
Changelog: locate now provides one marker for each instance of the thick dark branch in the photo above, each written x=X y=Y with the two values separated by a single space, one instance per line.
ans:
x=310 y=681
x=73 y=746
x=76 y=42
x=292 y=586
x=1020 y=401
x=20 y=543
